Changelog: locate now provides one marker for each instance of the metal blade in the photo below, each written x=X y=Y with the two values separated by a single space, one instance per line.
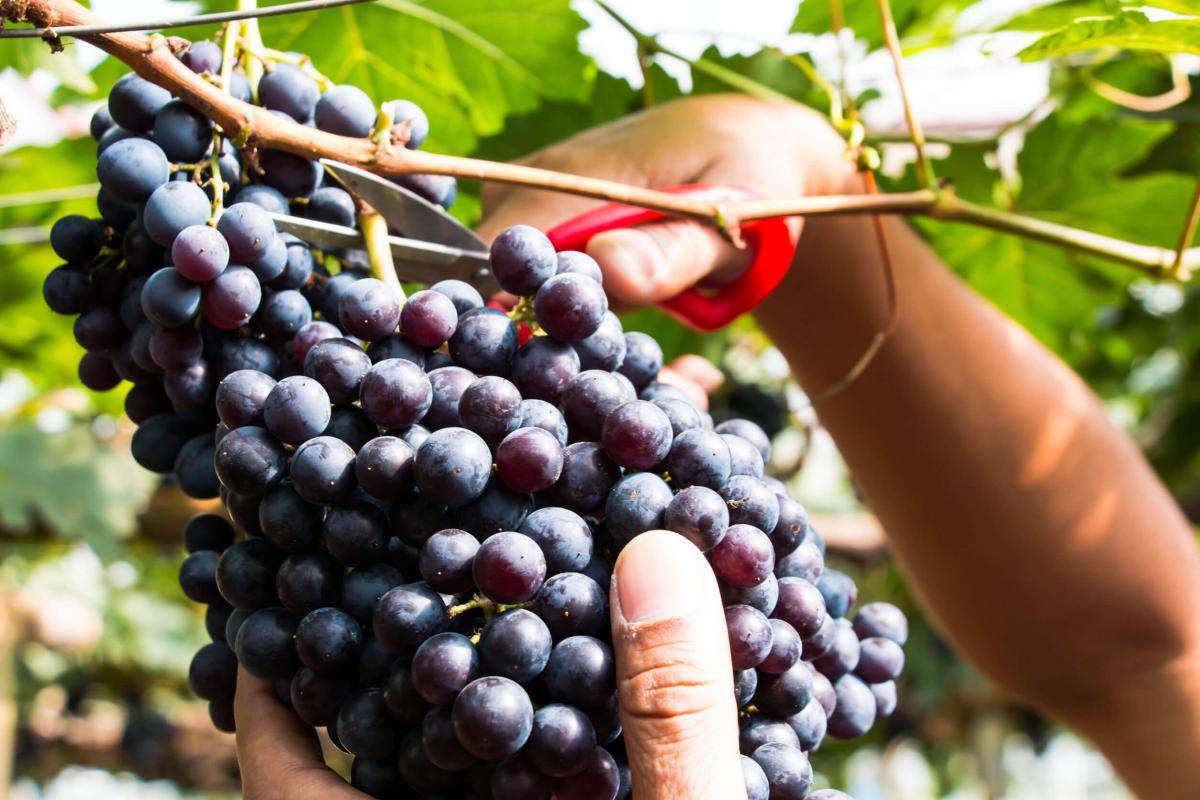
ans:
x=424 y=262
x=404 y=210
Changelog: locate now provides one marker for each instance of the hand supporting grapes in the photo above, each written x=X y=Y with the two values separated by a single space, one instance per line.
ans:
x=673 y=678
x=993 y=468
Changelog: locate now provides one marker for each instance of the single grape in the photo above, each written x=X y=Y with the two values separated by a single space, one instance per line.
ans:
x=396 y=346
x=248 y=230
x=384 y=467
x=241 y=397
x=357 y=533
x=572 y=604
x=250 y=461
x=791 y=528
x=643 y=359
x=201 y=57
x=637 y=503
x=395 y=393
x=700 y=458
x=287 y=521
x=264 y=644
x=145 y=400
x=407 y=615
x=439 y=742
x=755 y=780
x=308 y=581
x=484 y=342
x=880 y=660
x=289 y=89
x=101 y=122
x=169 y=299
x=369 y=309
x=809 y=725
x=522 y=259
x=183 y=133
x=213 y=672
x=98 y=329
x=757 y=731
x=446 y=560
x=744 y=557
x=784 y=694
x=309 y=335
x=803 y=562
x=570 y=306
x=580 y=672
x=492 y=717
x=231 y=298
x=515 y=645
x=281 y=314
x=199 y=253
x=543 y=367
x=699 y=515
x=497 y=509
x=637 y=435
x=600 y=779
x=587 y=401
x=509 y=567
x=132 y=169
x=751 y=502
x=428 y=318
x=750 y=432
x=452 y=466
x=345 y=110
x=745 y=682
x=529 y=460
x=854 y=713
x=448 y=385
x=246 y=574
x=263 y=196
x=207 y=532
x=317 y=698
x=364 y=726
x=133 y=101
x=490 y=407
x=820 y=642
x=562 y=740
x=885 y=698
x=198 y=578
x=296 y=410
x=516 y=778
x=291 y=175
x=328 y=641
x=881 y=620
x=787 y=770
x=362 y=588
x=272 y=263
x=839 y=591
x=800 y=605
x=176 y=348
x=77 y=239
x=322 y=470
x=749 y=636
x=785 y=649
x=67 y=289
x=194 y=471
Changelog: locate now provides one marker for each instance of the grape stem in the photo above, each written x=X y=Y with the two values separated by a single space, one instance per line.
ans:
x=379 y=250
x=251 y=127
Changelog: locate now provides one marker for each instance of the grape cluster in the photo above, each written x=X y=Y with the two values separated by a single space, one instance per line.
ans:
x=425 y=497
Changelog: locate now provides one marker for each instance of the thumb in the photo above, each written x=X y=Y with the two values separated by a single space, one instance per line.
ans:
x=649 y=263
x=674 y=673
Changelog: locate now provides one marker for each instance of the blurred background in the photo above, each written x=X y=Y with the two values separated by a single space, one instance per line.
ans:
x=95 y=636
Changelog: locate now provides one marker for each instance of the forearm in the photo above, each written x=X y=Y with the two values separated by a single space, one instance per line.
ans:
x=1033 y=530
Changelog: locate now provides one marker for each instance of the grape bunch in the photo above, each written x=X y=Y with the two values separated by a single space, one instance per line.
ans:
x=424 y=497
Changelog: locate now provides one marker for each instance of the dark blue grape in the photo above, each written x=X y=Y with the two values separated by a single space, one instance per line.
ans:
x=98 y=329
x=562 y=740
x=787 y=770
x=580 y=672
x=600 y=779
x=543 y=367
x=843 y=656
x=572 y=604
x=241 y=396
x=439 y=742
x=453 y=466
x=448 y=385
x=101 y=122
x=800 y=605
x=881 y=620
x=446 y=560
x=540 y=414
x=522 y=259
x=880 y=660
x=213 y=672
x=296 y=410
x=77 y=239
x=570 y=306
x=133 y=101
x=442 y=666
x=750 y=432
x=604 y=349
x=384 y=467
x=369 y=309
x=699 y=515
x=492 y=717
x=281 y=314
x=751 y=502
x=145 y=400
x=563 y=536
x=407 y=615
x=317 y=698
x=484 y=342
x=757 y=731
x=183 y=133
x=643 y=359
x=755 y=780
x=328 y=641
x=395 y=393
x=345 y=110
x=803 y=562
x=364 y=726
x=250 y=461
x=158 y=440
x=265 y=197
x=198 y=577
x=515 y=645
x=854 y=713
x=497 y=509
x=785 y=649
x=201 y=57
x=362 y=588
x=637 y=503
x=322 y=470
x=839 y=591
x=745 y=682
x=308 y=581
x=791 y=528
x=287 y=521
x=132 y=169
x=169 y=299
x=246 y=574
x=194 y=472
x=271 y=264
x=207 y=532
x=357 y=533
x=331 y=204
x=264 y=644
x=683 y=415
x=509 y=567
x=289 y=89
x=516 y=778
x=67 y=289
x=292 y=175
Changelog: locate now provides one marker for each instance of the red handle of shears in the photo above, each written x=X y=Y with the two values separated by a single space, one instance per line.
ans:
x=769 y=241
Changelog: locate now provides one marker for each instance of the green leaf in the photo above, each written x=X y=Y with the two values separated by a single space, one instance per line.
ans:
x=1128 y=30
x=913 y=17
x=1055 y=15
x=70 y=483
x=27 y=55
x=468 y=64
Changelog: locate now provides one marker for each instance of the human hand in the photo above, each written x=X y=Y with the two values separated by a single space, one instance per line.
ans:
x=772 y=149
x=674 y=682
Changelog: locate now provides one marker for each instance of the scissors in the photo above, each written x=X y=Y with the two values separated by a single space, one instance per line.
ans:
x=435 y=246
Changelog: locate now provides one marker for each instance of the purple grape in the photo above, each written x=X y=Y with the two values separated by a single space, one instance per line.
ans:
x=384 y=468
x=296 y=410
x=749 y=636
x=522 y=260
x=200 y=253
x=446 y=560
x=491 y=407
x=880 y=660
x=442 y=666
x=241 y=397
x=854 y=713
x=637 y=503
x=515 y=645
x=881 y=620
x=463 y=295
x=744 y=557
x=529 y=460
x=453 y=466
x=448 y=385
x=785 y=649
x=231 y=298
x=637 y=435
x=484 y=342
x=800 y=605
x=643 y=359
x=428 y=318
x=570 y=306
x=699 y=515
x=395 y=393
x=509 y=567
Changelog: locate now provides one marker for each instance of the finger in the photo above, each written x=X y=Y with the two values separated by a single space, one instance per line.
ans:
x=278 y=754
x=654 y=262
x=692 y=390
x=699 y=370
x=674 y=673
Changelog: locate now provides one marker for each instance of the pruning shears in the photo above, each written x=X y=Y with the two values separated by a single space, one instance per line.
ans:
x=435 y=246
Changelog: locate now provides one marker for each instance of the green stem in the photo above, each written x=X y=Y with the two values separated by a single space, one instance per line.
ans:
x=892 y=40
x=251 y=38
x=379 y=250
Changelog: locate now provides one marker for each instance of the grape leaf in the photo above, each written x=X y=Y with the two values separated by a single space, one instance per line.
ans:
x=862 y=17
x=1128 y=30
x=469 y=65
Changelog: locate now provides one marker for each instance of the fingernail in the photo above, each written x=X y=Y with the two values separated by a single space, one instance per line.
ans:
x=660 y=575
